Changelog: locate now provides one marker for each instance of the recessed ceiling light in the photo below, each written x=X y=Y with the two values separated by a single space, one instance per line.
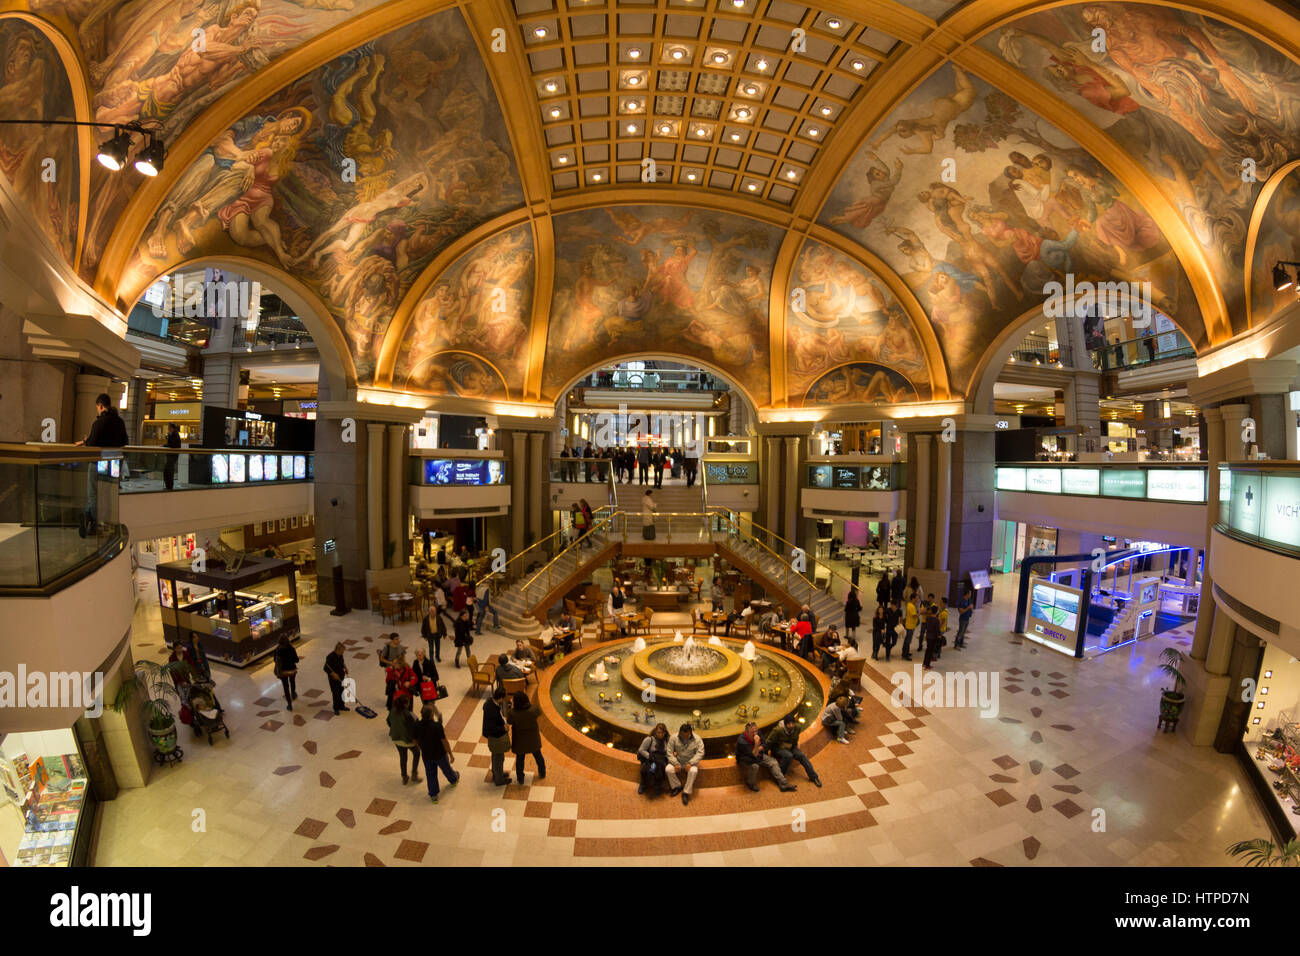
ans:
x=742 y=113
x=551 y=86
x=540 y=32
x=691 y=177
x=633 y=104
x=634 y=53
x=751 y=91
x=752 y=187
x=761 y=64
x=634 y=81
x=791 y=174
x=563 y=160
x=737 y=3
x=677 y=54
x=701 y=131
x=826 y=111
x=858 y=65
x=735 y=137
x=665 y=129
x=555 y=113
x=833 y=23
x=719 y=57
x=813 y=131
x=595 y=177
x=631 y=127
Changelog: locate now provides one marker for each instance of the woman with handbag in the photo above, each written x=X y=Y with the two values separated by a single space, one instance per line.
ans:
x=402 y=727
x=527 y=739
x=402 y=680
x=432 y=745
x=464 y=629
x=498 y=734
x=852 y=613
x=426 y=677
x=286 y=668
x=648 y=509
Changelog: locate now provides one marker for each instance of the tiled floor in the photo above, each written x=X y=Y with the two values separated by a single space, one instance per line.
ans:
x=1070 y=772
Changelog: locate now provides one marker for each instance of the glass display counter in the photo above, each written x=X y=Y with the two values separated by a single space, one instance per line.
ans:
x=234 y=621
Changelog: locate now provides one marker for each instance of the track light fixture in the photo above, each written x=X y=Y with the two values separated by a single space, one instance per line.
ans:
x=1281 y=278
x=113 y=152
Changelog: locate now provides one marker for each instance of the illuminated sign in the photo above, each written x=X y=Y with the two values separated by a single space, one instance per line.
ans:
x=463 y=471
x=1002 y=423
x=731 y=472
x=1080 y=481
x=1043 y=480
x=1124 y=483
x=1175 y=484
x=1011 y=479
x=1280 y=521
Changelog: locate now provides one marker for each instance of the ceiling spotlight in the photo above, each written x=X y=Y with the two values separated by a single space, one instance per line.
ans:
x=540 y=33
x=112 y=153
x=761 y=65
x=813 y=131
x=719 y=57
x=677 y=54
x=634 y=53
x=633 y=104
x=751 y=90
x=551 y=86
x=737 y=3
x=631 y=127
x=752 y=186
x=691 y=177
x=595 y=177
x=858 y=65
x=735 y=137
x=150 y=160
x=791 y=174
x=1281 y=278
x=826 y=111
x=833 y=23
x=742 y=113
x=634 y=80
x=563 y=160
x=665 y=128
x=555 y=112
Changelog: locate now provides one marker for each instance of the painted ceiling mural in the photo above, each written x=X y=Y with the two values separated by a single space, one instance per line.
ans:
x=481 y=304
x=1024 y=207
x=40 y=162
x=662 y=279
x=352 y=178
x=861 y=382
x=1278 y=238
x=840 y=313
x=146 y=64
x=1192 y=98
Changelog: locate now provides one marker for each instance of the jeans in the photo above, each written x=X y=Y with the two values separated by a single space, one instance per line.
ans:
x=415 y=760
x=785 y=757
x=435 y=647
x=498 y=768
x=290 y=683
x=907 y=641
x=431 y=767
x=770 y=764
x=519 y=765
x=483 y=608
x=931 y=652
x=838 y=728
x=962 y=624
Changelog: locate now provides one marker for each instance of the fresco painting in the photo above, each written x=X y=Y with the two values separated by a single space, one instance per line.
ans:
x=861 y=382
x=661 y=279
x=1278 y=239
x=1025 y=206
x=146 y=64
x=35 y=86
x=352 y=178
x=1191 y=97
x=482 y=303
x=845 y=314
x=461 y=375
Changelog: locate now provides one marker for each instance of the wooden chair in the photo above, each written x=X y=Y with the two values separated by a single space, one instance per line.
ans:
x=740 y=627
x=374 y=601
x=545 y=654
x=388 y=609
x=608 y=628
x=853 y=670
x=647 y=615
x=481 y=675
x=515 y=685
x=698 y=624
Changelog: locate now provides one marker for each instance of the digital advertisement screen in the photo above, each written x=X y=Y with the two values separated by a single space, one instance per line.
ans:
x=1044 y=480
x=238 y=469
x=220 y=469
x=286 y=467
x=1175 y=484
x=876 y=478
x=1080 y=481
x=254 y=467
x=463 y=471
x=819 y=476
x=300 y=466
x=1057 y=607
x=1124 y=483
x=846 y=477
x=270 y=467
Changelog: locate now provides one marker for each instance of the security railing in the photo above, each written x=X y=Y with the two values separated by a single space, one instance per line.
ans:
x=1142 y=351
x=58 y=514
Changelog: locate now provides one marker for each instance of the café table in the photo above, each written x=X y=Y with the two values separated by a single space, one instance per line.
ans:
x=714 y=619
x=405 y=600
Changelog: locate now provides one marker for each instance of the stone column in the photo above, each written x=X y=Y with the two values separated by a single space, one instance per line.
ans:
x=790 y=498
x=920 y=480
x=1234 y=449
x=88 y=387
x=375 y=495
x=398 y=446
x=772 y=482
x=518 y=482
x=538 y=466
x=1214 y=433
x=1220 y=653
x=943 y=501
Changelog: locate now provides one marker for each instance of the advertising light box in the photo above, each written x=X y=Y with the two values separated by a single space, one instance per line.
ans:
x=1124 y=483
x=846 y=477
x=1045 y=480
x=1011 y=479
x=462 y=471
x=1080 y=481
x=1280 y=520
x=1247 y=502
x=1175 y=484
x=819 y=476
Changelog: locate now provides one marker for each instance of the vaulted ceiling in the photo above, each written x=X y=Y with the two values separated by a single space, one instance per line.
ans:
x=843 y=203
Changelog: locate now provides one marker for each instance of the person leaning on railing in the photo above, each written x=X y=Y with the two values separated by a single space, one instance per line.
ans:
x=106 y=431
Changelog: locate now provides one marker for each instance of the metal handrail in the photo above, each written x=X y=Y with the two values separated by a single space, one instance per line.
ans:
x=829 y=570
x=549 y=568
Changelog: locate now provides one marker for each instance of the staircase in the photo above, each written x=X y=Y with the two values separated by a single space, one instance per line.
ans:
x=515 y=603
x=829 y=610
x=674 y=498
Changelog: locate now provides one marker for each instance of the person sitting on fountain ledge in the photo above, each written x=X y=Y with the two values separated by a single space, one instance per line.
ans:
x=684 y=750
x=653 y=754
x=783 y=742
x=836 y=719
x=752 y=754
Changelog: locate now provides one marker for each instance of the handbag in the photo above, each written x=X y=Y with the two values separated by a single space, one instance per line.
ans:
x=428 y=690
x=499 y=745
x=648 y=532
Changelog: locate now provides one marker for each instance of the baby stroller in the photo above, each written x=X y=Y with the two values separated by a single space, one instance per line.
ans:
x=207 y=716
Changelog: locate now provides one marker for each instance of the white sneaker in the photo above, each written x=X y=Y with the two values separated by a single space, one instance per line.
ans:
x=841 y=740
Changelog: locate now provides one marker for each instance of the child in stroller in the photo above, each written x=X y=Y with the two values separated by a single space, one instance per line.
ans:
x=207 y=716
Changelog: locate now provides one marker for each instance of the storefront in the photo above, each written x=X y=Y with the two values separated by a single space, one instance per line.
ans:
x=185 y=415
x=156 y=551
x=46 y=804
x=1272 y=737
x=239 y=617
x=1013 y=541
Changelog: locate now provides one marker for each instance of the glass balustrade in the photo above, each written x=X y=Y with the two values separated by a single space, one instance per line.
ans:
x=168 y=469
x=1259 y=502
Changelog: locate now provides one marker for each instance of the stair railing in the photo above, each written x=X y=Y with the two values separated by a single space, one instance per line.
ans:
x=544 y=577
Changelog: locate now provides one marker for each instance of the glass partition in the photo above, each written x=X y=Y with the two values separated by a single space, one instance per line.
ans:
x=168 y=469
x=58 y=512
x=1144 y=482
x=1260 y=502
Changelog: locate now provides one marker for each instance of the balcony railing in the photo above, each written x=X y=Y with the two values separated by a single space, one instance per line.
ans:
x=150 y=469
x=1148 y=481
x=58 y=515
x=1259 y=502
x=1142 y=351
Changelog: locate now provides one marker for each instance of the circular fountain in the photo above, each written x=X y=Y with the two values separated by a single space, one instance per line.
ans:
x=615 y=693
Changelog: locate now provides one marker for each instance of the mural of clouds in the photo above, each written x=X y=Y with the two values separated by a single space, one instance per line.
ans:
x=1028 y=206
x=35 y=86
x=351 y=178
x=1190 y=96
x=656 y=279
x=844 y=314
x=481 y=304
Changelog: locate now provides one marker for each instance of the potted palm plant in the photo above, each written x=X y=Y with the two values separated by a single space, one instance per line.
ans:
x=1261 y=852
x=1172 y=700
x=153 y=683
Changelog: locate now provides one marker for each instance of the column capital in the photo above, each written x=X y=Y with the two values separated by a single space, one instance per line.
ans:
x=1250 y=377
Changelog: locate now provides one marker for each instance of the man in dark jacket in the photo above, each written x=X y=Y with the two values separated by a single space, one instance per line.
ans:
x=783 y=744
x=643 y=463
x=752 y=754
x=107 y=430
x=336 y=669
x=495 y=729
x=896 y=588
x=169 y=463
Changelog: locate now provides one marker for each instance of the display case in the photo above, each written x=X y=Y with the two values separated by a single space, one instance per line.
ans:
x=236 y=621
x=46 y=803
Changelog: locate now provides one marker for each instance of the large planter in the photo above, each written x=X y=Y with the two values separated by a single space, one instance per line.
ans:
x=164 y=741
x=1171 y=704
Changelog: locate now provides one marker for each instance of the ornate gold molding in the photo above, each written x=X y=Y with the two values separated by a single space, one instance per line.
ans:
x=1257 y=214
x=539 y=325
